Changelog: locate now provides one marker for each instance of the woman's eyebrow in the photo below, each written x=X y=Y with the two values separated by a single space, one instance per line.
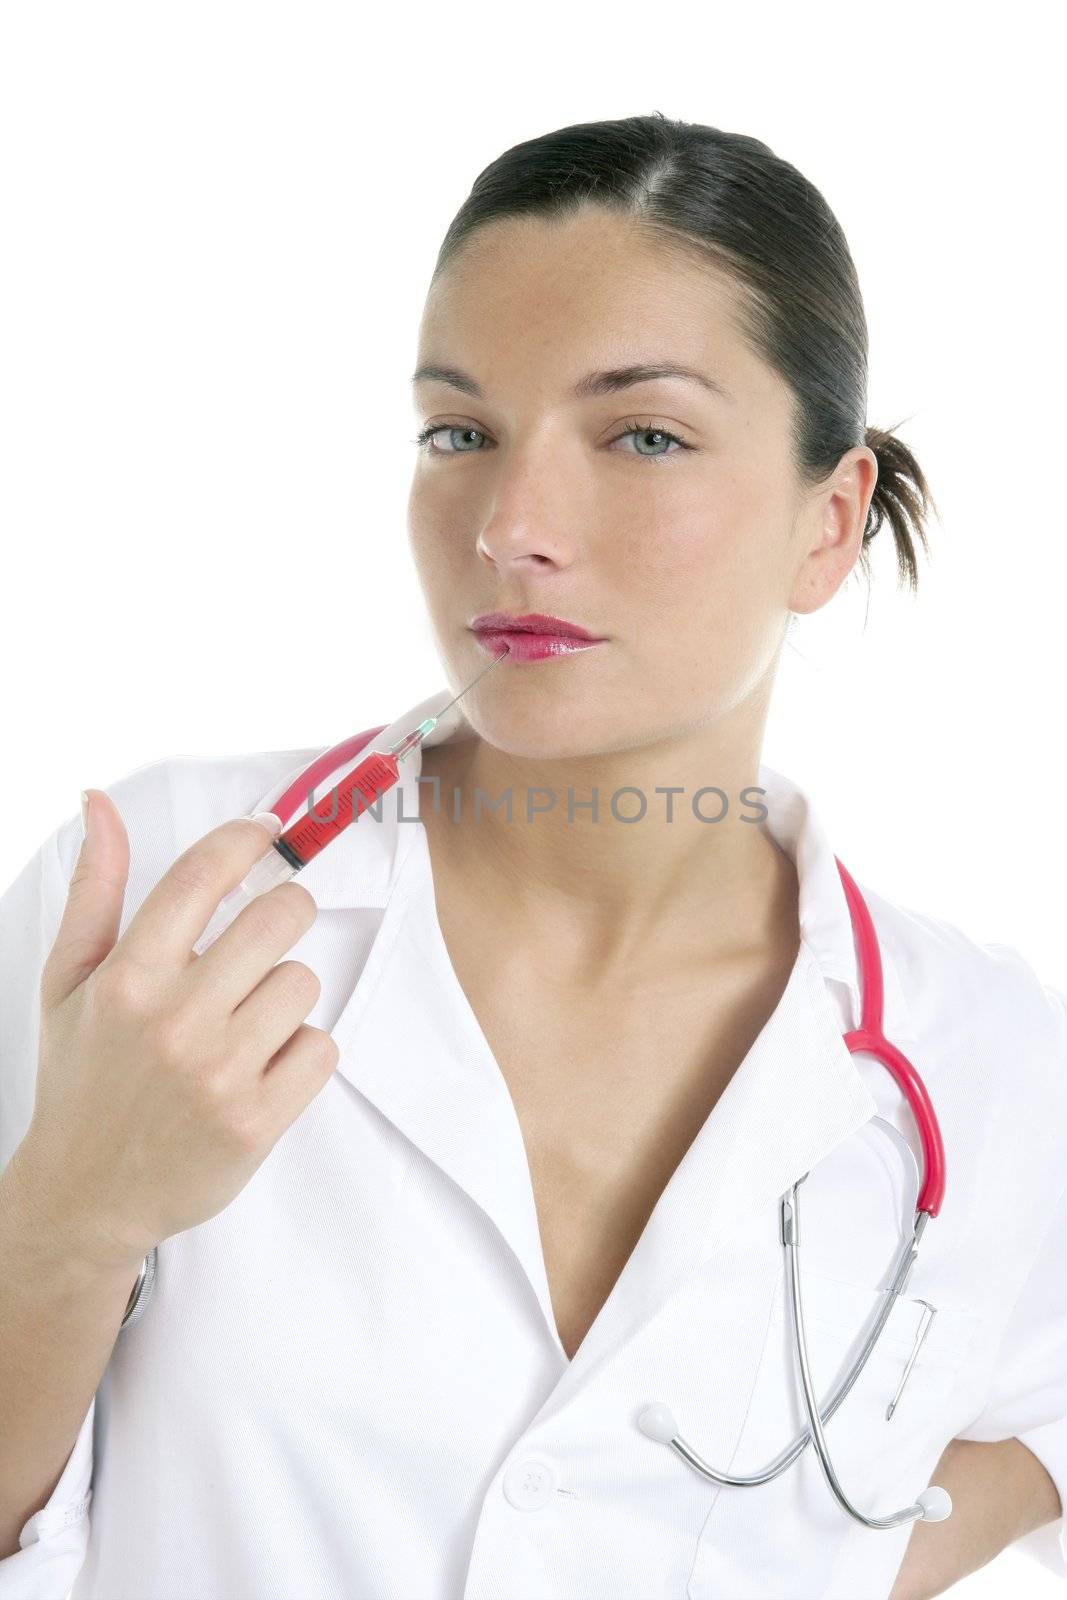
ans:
x=609 y=381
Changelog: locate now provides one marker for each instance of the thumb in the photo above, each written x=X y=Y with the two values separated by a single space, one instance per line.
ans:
x=93 y=912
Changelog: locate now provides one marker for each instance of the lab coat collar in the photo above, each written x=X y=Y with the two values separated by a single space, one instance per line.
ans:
x=428 y=1066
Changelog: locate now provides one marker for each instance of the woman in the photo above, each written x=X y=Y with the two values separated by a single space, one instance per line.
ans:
x=580 y=1053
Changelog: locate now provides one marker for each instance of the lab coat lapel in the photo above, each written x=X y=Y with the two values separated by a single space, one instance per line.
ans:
x=411 y=1044
x=408 y=1039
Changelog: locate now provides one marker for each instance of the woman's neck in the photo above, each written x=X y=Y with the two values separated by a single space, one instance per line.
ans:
x=592 y=893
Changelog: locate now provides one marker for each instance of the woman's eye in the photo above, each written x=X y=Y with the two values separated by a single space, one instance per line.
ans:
x=423 y=439
x=647 y=431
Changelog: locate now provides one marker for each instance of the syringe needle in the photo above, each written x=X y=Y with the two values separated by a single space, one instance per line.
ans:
x=417 y=735
x=473 y=681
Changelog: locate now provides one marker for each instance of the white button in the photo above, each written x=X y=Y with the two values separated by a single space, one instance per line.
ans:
x=529 y=1484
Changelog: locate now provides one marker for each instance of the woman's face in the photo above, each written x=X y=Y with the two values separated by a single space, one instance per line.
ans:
x=685 y=554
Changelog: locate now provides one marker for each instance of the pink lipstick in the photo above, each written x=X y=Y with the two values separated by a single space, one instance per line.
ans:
x=532 y=636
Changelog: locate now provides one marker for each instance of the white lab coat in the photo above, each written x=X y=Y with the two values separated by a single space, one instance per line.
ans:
x=349 y=1383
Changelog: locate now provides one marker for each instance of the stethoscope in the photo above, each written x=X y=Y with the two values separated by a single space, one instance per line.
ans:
x=435 y=723
x=933 y=1504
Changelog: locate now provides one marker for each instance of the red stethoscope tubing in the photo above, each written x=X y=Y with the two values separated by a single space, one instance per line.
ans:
x=867 y=1037
x=870 y=1037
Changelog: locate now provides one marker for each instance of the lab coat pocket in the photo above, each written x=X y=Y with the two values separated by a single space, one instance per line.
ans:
x=780 y=1540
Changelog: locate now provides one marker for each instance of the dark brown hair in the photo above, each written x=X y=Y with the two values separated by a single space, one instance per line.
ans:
x=727 y=199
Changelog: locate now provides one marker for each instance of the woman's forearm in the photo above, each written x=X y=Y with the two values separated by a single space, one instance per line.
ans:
x=59 y=1320
x=1000 y=1492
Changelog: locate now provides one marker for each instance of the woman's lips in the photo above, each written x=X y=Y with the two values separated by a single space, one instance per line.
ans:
x=523 y=646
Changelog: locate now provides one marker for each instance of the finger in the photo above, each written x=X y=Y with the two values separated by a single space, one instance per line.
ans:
x=242 y=956
x=91 y=917
x=264 y=1023
x=296 y=1075
x=175 y=913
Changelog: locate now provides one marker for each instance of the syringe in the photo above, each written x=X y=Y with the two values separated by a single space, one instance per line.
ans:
x=373 y=776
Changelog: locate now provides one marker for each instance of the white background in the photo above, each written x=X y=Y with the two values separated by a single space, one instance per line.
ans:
x=219 y=224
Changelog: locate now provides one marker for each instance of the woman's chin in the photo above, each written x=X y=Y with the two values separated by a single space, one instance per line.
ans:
x=541 y=711
x=541 y=734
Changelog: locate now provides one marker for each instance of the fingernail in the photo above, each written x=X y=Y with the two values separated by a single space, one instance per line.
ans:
x=272 y=823
x=85 y=812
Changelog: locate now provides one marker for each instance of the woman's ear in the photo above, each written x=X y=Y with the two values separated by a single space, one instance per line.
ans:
x=830 y=530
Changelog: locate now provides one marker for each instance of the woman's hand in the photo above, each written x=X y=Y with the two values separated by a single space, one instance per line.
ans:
x=164 y=1078
x=1000 y=1492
